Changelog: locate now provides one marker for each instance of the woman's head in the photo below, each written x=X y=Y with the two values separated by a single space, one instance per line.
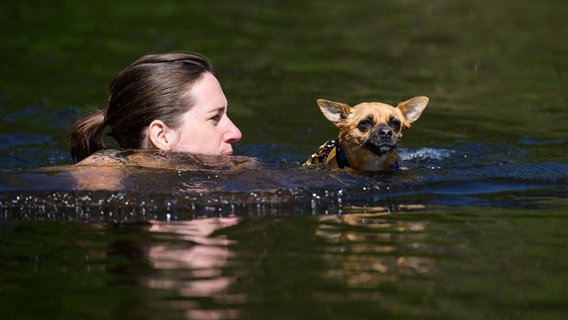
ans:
x=150 y=103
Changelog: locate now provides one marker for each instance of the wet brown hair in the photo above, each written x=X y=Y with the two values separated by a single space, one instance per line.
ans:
x=153 y=87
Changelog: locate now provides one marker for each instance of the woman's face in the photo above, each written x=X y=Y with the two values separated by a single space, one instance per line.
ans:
x=206 y=127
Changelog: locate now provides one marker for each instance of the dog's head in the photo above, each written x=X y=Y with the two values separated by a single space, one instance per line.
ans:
x=371 y=129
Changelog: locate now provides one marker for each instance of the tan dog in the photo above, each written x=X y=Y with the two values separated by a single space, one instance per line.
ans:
x=368 y=133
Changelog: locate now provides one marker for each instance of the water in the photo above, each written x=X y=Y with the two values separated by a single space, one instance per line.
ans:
x=474 y=229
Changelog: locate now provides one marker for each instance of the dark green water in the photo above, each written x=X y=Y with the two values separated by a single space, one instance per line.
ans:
x=476 y=229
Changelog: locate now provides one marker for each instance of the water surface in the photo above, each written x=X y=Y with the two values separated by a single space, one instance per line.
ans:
x=474 y=229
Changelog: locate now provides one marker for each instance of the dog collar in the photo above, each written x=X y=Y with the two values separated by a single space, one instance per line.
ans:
x=323 y=152
x=340 y=156
x=395 y=166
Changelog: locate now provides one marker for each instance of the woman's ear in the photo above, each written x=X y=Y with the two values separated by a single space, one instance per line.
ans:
x=161 y=136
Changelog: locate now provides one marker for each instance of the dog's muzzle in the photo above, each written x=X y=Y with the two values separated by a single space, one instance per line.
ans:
x=382 y=141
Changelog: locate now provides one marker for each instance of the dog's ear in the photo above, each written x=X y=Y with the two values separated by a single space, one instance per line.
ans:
x=334 y=111
x=412 y=108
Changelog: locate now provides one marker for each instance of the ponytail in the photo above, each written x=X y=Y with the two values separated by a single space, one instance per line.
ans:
x=86 y=135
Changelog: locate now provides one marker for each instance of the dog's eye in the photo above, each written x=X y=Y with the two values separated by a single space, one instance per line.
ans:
x=365 y=125
x=395 y=124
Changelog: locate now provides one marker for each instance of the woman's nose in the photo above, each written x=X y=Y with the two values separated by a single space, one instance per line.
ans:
x=232 y=133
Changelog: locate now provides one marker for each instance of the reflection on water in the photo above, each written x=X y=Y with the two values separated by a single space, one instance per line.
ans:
x=192 y=262
x=395 y=261
x=371 y=250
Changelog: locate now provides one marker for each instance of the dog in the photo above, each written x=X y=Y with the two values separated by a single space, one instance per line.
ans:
x=368 y=134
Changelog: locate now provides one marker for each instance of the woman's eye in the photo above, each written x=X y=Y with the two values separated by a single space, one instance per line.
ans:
x=216 y=118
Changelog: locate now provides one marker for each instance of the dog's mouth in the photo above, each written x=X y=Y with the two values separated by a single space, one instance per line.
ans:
x=382 y=141
x=380 y=148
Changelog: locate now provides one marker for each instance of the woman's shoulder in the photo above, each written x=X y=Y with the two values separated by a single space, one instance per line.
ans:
x=160 y=159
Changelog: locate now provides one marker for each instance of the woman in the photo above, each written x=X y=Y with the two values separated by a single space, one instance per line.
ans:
x=170 y=102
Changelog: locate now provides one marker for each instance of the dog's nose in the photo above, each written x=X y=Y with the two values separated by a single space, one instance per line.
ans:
x=385 y=132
